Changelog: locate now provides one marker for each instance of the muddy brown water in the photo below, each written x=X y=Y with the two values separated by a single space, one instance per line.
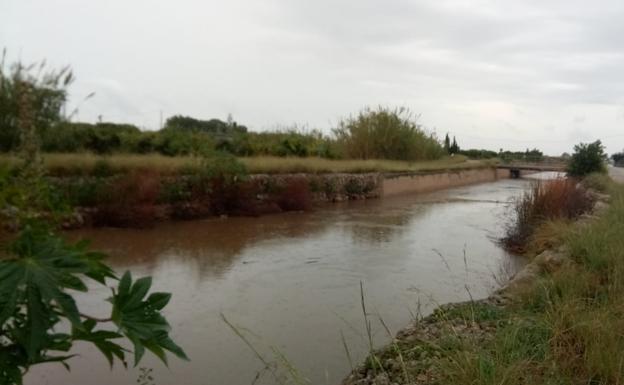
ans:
x=292 y=282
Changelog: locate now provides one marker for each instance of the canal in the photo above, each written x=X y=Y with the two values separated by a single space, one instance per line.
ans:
x=291 y=282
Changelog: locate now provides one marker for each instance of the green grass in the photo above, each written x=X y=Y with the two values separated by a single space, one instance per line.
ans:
x=88 y=164
x=565 y=328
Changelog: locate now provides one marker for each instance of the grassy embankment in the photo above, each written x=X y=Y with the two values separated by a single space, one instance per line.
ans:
x=85 y=164
x=138 y=190
x=563 y=327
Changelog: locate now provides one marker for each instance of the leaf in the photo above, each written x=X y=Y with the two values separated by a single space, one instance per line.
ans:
x=138 y=291
x=159 y=300
x=37 y=324
x=102 y=341
x=124 y=284
x=140 y=320
x=33 y=288
x=167 y=343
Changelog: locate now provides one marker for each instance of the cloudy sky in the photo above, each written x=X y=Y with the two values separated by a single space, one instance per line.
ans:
x=512 y=74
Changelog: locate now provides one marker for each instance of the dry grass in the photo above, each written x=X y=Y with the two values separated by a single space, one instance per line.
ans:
x=548 y=235
x=87 y=164
x=559 y=199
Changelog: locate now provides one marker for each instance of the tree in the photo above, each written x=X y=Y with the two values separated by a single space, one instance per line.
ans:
x=454 y=149
x=447 y=144
x=39 y=318
x=587 y=158
x=19 y=88
x=618 y=158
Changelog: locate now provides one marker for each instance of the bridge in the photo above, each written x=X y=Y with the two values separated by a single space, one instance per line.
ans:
x=516 y=169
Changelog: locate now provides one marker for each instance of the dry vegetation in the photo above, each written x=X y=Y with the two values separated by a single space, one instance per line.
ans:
x=87 y=164
x=556 y=200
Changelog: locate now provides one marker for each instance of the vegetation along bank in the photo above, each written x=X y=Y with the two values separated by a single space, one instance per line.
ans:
x=114 y=193
x=551 y=323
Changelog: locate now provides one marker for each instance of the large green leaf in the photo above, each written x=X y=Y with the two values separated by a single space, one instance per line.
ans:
x=102 y=339
x=140 y=320
x=33 y=286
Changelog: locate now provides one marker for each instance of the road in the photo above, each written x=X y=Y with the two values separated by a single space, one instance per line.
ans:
x=617 y=173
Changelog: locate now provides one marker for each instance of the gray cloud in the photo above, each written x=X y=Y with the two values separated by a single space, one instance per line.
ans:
x=494 y=73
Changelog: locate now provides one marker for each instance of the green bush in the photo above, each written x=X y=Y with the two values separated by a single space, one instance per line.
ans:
x=587 y=158
x=386 y=134
x=479 y=154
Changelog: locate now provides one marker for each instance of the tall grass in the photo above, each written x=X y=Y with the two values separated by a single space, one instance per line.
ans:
x=89 y=164
x=546 y=200
x=567 y=327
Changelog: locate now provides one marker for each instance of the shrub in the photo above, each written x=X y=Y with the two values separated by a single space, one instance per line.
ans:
x=386 y=134
x=479 y=154
x=550 y=200
x=295 y=195
x=587 y=158
x=102 y=168
x=220 y=180
x=130 y=200
x=84 y=192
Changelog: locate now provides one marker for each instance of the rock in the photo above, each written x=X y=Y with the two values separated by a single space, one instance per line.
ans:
x=524 y=277
x=600 y=207
x=550 y=260
x=381 y=379
x=601 y=197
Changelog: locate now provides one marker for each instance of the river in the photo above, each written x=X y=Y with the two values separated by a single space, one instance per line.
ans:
x=292 y=282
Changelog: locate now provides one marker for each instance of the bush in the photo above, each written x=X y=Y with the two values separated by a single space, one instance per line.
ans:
x=386 y=134
x=479 y=154
x=220 y=180
x=587 y=158
x=130 y=200
x=550 y=200
x=295 y=195
x=84 y=192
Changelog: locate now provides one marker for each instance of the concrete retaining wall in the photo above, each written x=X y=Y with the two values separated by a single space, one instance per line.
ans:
x=395 y=184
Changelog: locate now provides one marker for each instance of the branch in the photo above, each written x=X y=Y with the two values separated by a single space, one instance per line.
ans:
x=95 y=318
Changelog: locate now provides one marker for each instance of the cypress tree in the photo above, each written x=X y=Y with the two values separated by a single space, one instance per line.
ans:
x=447 y=144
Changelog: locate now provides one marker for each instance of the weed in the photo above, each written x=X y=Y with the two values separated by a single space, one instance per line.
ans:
x=551 y=200
x=597 y=181
x=130 y=201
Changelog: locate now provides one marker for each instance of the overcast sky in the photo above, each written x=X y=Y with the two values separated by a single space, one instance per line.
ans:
x=511 y=74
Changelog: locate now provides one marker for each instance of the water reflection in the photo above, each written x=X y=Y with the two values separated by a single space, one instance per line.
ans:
x=292 y=280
